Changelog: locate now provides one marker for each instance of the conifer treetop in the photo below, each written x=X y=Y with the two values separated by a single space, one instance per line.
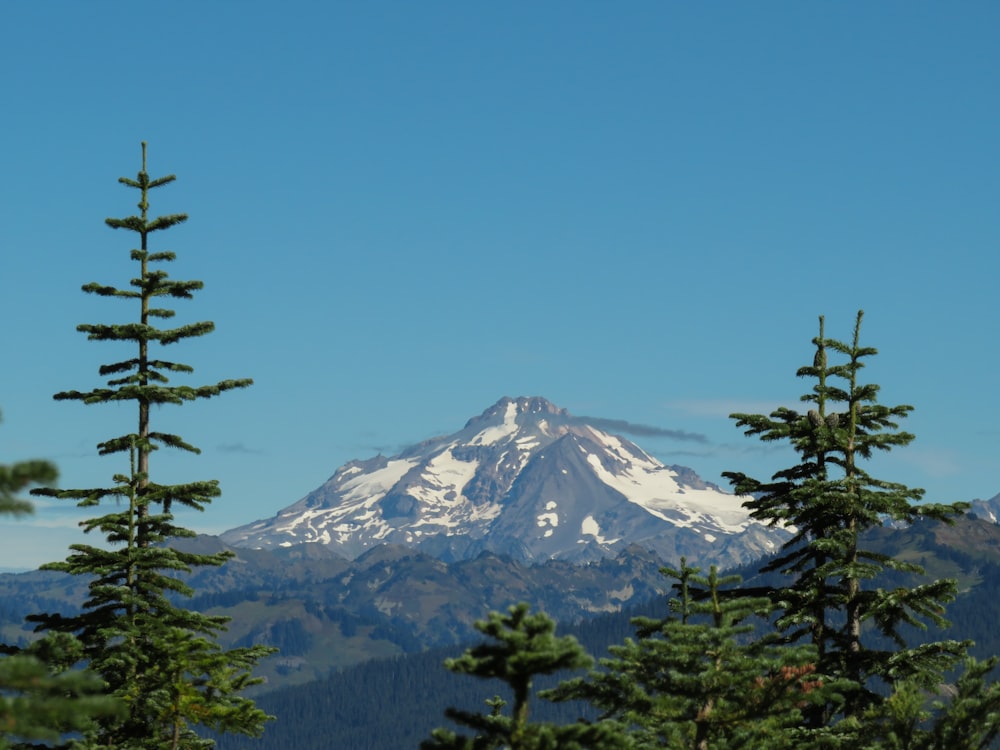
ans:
x=143 y=378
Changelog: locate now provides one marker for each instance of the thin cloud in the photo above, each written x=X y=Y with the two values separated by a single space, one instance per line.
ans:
x=37 y=521
x=643 y=430
x=723 y=407
x=719 y=450
x=380 y=450
x=238 y=448
x=88 y=450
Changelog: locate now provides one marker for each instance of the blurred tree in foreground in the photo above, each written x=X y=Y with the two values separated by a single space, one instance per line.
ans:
x=41 y=696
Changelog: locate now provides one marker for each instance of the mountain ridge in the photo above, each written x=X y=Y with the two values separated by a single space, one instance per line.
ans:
x=327 y=613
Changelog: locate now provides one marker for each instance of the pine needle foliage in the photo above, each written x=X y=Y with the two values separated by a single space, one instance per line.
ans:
x=42 y=697
x=522 y=646
x=833 y=598
x=161 y=660
x=702 y=677
x=963 y=716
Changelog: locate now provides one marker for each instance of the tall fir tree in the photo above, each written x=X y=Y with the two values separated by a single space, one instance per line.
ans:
x=833 y=597
x=522 y=646
x=162 y=660
x=42 y=696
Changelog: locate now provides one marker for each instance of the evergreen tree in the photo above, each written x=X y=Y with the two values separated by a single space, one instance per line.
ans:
x=698 y=678
x=829 y=499
x=41 y=696
x=14 y=478
x=160 y=659
x=967 y=720
x=524 y=646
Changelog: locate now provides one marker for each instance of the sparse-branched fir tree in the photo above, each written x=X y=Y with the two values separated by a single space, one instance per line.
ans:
x=162 y=660
x=832 y=598
x=522 y=646
x=701 y=677
x=42 y=697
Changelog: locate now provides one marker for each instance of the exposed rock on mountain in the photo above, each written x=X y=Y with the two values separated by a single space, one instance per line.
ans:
x=988 y=510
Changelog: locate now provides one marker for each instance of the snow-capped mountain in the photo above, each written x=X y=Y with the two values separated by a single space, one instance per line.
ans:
x=988 y=510
x=526 y=479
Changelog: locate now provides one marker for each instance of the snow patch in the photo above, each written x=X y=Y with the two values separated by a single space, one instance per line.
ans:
x=548 y=519
x=653 y=487
x=527 y=443
x=443 y=480
x=377 y=482
x=590 y=527
x=496 y=433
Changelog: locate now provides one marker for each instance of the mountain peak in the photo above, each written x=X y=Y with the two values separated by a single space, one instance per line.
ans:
x=525 y=479
x=508 y=407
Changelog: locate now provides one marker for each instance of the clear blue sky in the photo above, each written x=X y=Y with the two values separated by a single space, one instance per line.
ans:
x=404 y=211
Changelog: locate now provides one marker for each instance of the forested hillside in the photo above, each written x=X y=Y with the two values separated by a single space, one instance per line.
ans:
x=394 y=703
